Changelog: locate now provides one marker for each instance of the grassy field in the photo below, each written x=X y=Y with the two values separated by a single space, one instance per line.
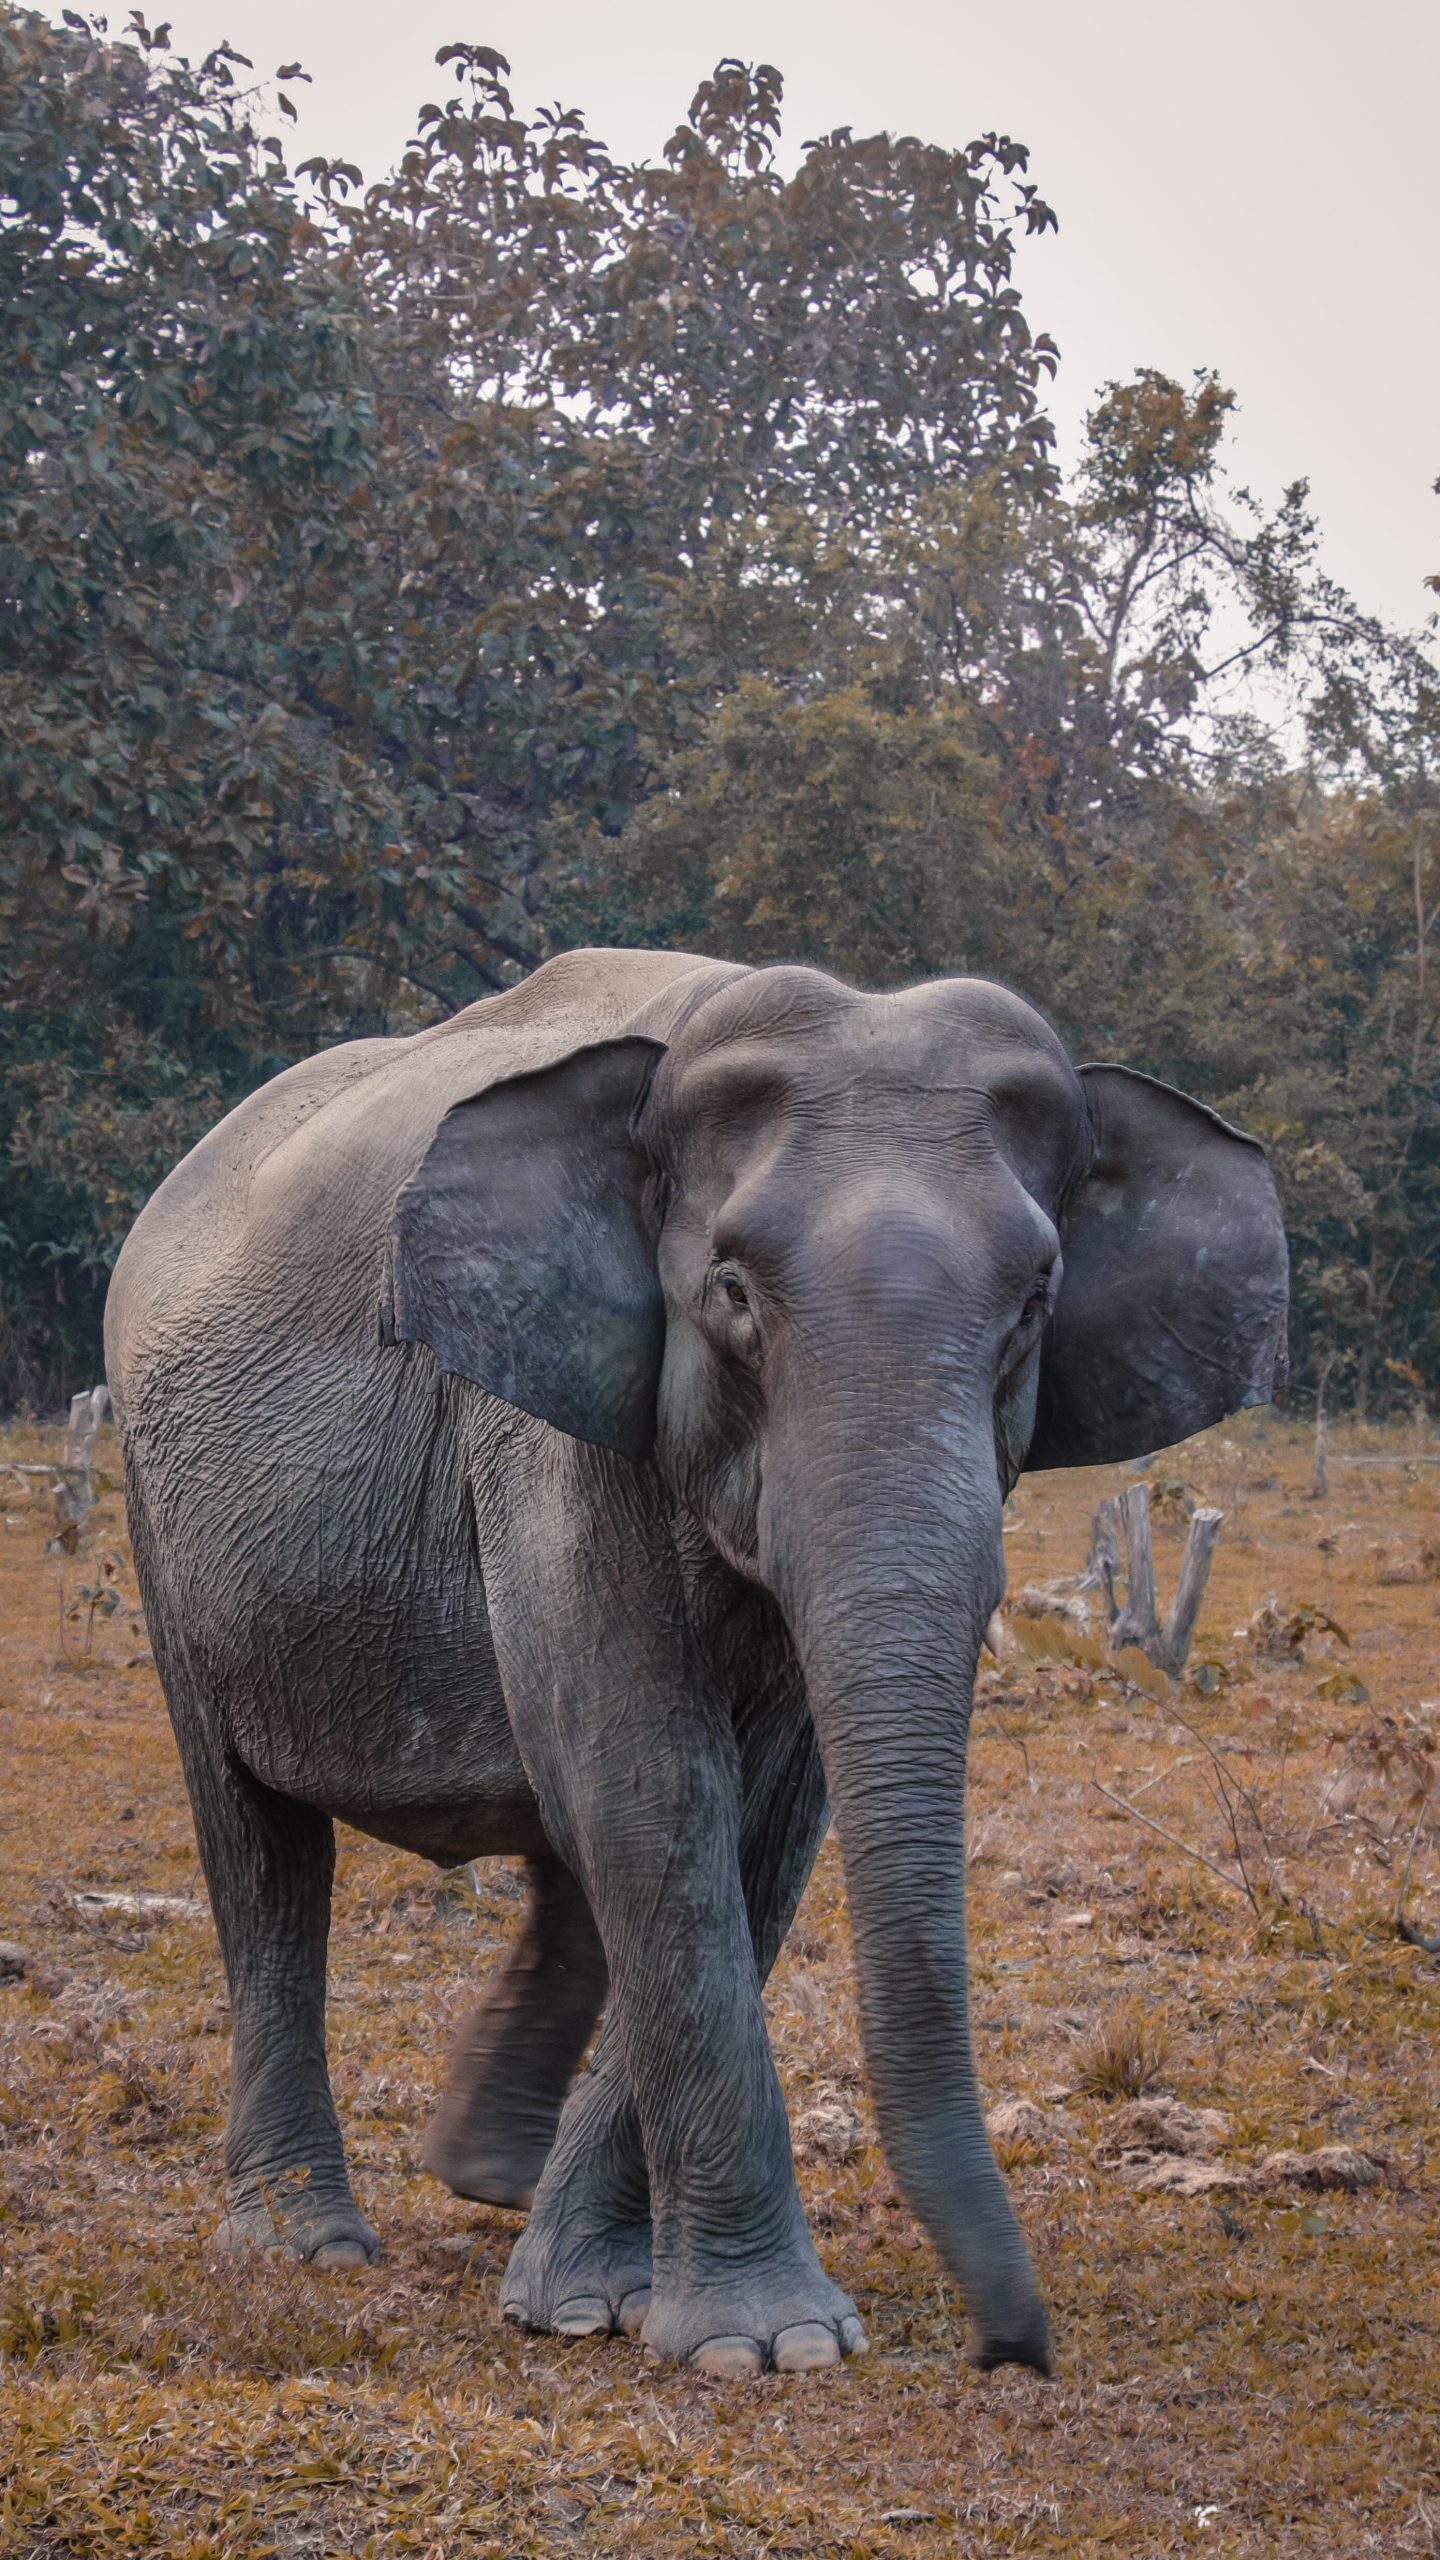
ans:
x=1249 y=2360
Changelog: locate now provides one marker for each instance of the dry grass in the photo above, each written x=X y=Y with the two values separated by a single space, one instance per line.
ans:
x=1249 y=2368
x=1125 y=2054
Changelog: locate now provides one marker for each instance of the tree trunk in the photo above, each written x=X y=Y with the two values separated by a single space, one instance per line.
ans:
x=1195 y=1566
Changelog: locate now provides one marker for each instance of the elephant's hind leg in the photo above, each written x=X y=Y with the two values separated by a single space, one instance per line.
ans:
x=269 y=1863
x=518 y=2049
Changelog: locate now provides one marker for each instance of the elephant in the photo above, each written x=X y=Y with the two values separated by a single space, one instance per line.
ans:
x=580 y=1431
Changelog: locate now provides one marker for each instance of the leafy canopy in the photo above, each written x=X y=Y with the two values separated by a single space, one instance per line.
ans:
x=396 y=583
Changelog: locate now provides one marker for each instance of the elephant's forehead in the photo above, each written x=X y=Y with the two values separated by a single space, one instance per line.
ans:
x=795 y=1037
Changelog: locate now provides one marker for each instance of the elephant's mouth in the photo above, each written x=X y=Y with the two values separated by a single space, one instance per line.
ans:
x=723 y=1498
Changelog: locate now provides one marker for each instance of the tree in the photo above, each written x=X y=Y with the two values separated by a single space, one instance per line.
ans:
x=619 y=401
x=351 y=546
x=180 y=402
x=1013 y=744
x=397 y=584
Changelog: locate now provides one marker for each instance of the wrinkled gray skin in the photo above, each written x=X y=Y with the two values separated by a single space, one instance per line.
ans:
x=581 y=1430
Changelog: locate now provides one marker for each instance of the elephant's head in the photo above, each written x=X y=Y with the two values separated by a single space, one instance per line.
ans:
x=841 y=1265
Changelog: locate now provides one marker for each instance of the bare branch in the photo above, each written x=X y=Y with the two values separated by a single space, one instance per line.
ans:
x=1235 y=1884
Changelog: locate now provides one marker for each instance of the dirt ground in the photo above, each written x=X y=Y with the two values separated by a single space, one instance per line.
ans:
x=1248 y=2357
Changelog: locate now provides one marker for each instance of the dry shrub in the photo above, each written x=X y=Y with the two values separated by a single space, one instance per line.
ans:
x=1018 y=2132
x=1171 y=1504
x=1165 y=2124
x=1125 y=2055
x=1401 y=1560
x=830 y=2130
x=1335 y=2165
x=1169 y=2173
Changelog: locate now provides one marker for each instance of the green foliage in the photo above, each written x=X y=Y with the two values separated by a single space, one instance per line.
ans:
x=181 y=400
x=397 y=585
x=1020 y=748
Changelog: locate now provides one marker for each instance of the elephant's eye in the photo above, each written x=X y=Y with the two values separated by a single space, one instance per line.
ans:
x=1037 y=1305
x=726 y=1281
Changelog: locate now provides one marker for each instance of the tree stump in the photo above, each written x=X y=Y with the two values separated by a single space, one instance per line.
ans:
x=1320 y=1482
x=1125 y=1523
x=75 y=1480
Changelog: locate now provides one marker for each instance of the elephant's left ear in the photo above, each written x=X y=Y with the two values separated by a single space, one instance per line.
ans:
x=521 y=1254
x=1175 y=1285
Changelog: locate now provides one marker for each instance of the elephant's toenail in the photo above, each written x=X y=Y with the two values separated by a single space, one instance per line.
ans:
x=853 y=2341
x=632 y=2312
x=729 y=2359
x=341 y=2253
x=583 y=2320
x=806 y=2348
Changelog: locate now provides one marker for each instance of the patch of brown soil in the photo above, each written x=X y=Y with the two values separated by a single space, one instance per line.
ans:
x=1247 y=2351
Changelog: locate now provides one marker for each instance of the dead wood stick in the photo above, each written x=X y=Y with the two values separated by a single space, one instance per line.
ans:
x=1104 y=1563
x=87 y=1412
x=1136 y=1623
x=1175 y=1841
x=1373 y=1458
x=1189 y=1591
x=1412 y=1936
x=1320 y=1481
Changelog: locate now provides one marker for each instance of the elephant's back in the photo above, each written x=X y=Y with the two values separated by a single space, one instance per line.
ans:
x=268 y=1241
x=169 y=1282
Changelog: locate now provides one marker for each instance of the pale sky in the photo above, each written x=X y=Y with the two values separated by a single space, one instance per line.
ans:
x=1249 y=185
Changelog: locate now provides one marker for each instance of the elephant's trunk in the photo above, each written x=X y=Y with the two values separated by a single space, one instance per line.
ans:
x=888 y=1567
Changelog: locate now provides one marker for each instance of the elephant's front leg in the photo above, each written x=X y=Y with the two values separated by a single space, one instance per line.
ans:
x=638 y=1770
x=583 y=2265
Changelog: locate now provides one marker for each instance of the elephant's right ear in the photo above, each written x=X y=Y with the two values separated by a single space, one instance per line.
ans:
x=520 y=1254
x=1175 y=1279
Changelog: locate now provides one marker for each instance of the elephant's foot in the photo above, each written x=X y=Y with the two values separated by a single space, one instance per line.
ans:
x=496 y=2159
x=779 y=2311
x=579 y=2277
x=1020 y=2340
x=324 y=2228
